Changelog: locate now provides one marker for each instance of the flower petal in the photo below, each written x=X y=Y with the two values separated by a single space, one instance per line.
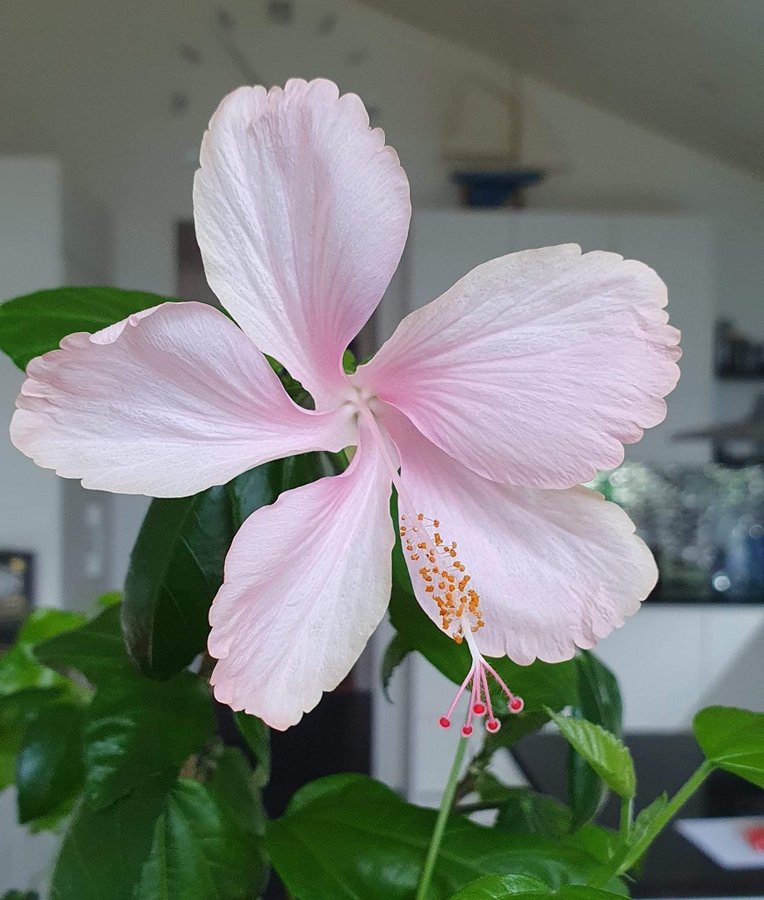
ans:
x=307 y=580
x=555 y=569
x=535 y=368
x=301 y=215
x=167 y=403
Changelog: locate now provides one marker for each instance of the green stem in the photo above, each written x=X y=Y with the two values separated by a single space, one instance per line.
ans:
x=622 y=862
x=666 y=815
x=440 y=823
x=627 y=817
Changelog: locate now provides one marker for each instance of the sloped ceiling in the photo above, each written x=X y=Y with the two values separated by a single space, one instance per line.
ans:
x=689 y=69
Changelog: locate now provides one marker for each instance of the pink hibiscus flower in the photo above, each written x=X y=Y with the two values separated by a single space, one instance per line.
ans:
x=486 y=410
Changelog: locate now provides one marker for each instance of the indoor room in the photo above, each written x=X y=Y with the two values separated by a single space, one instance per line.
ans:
x=201 y=632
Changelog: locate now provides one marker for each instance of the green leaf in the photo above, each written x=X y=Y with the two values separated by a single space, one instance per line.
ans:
x=604 y=752
x=47 y=623
x=600 y=702
x=17 y=710
x=524 y=811
x=496 y=887
x=198 y=853
x=501 y=887
x=258 y=737
x=49 y=767
x=176 y=568
x=20 y=895
x=96 y=649
x=104 y=850
x=352 y=838
x=36 y=323
x=732 y=739
x=137 y=727
x=19 y=669
x=235 y=787
x=397 y=650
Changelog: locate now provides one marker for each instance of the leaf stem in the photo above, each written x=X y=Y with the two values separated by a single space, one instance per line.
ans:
x=441 y=821
x=623 y=861
x=666 y=815
x=627 y=817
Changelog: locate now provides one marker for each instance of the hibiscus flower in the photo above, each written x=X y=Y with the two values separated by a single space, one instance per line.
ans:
x=485 y=410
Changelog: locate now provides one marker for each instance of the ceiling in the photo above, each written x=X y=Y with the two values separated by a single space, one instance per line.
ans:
x=689 y=69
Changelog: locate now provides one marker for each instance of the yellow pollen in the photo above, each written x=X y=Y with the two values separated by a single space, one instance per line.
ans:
x=458 y=605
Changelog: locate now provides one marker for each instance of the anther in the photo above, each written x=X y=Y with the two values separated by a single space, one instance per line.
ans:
x=493 y=725
x=478 y=709
x=444 y=722
x=466 y=730
x=516 y=704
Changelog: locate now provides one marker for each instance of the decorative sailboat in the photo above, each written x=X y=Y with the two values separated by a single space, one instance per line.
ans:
x=496 y=147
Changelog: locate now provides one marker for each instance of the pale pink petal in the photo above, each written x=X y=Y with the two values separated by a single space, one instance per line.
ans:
x=555 y=569
x=537 y=367
x=301 y=214
x=307 y=580
x=166 y=403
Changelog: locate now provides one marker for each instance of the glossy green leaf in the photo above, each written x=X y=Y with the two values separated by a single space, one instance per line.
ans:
x=395 y=652
x=502 y=887
x=523 y=811
x=50 y=767
x=198 y=853
x=599 y=702
x=96 y=649
x=17 y=710
x=496 y=887
x=732 y=739
x=19 y=669
x=604 y=752
x=354 y=839
x=47 y=623
x=36 y=323
x=176 y=568
x=104 y=850
x=137 y=727
x=258 y=737
x=236 y=789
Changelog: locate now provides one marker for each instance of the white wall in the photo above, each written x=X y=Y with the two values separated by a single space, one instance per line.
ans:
x=30 y=258
x=31 y=505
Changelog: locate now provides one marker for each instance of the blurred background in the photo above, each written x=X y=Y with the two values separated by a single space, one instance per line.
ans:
x=633 y=127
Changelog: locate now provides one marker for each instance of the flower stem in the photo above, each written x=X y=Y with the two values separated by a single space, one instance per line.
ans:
x=440 y=823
